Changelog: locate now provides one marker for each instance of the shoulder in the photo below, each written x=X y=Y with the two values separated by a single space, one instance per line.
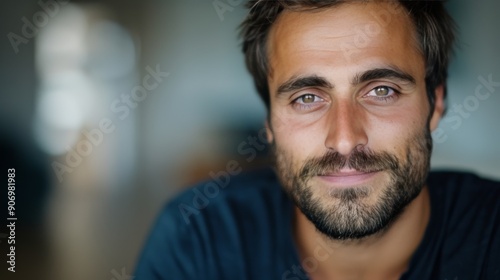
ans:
x=466 y=209
x=464 y=189
x=465 y=197
x=223 y=197
x=258 y=189
x=460 y=178
x=206 y=224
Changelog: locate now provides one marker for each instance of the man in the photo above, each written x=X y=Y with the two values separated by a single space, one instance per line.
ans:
x=353 y=90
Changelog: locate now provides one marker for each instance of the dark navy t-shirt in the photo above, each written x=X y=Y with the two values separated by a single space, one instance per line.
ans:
x=242 y=230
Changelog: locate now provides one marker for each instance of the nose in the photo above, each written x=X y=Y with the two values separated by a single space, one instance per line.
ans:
x=345 y=127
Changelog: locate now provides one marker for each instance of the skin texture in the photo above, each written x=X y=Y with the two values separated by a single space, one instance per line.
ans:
x=331 y=112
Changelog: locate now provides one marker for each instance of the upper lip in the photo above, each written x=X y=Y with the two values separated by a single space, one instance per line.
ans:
x=347 y=172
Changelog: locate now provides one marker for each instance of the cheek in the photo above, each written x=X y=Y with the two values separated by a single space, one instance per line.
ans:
x=297 y=139
x=392 y=132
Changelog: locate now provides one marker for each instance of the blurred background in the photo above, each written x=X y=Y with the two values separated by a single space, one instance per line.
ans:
x=109 y=108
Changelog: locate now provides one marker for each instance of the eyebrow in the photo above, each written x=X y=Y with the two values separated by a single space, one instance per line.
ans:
x=383 y=73
x=296 y=83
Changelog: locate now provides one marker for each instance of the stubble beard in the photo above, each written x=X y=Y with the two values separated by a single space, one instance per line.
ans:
x=345 y=215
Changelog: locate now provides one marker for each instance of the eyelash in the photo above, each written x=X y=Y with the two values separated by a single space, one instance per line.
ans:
x=385 y=98
x=302 y=106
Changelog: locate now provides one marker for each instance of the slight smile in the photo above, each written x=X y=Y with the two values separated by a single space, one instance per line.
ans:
x=348 y=177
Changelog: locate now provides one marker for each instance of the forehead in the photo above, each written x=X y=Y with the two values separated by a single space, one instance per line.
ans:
x=345 y=36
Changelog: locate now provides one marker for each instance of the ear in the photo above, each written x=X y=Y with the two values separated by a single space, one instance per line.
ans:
x=269 y=131
x=438 y=107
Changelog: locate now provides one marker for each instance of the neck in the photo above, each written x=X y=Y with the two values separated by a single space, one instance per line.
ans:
x=381 y=256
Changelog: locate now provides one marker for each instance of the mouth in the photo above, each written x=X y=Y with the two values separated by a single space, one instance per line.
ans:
x=348 y=177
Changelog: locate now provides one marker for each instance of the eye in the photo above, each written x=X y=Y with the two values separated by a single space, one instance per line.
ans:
x=308 y=99
x=307 y=102
x=382 y=91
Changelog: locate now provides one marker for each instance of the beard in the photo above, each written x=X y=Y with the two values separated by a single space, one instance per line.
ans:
x=344 y=213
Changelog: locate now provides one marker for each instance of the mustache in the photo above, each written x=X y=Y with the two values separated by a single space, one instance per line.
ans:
x=360 y=160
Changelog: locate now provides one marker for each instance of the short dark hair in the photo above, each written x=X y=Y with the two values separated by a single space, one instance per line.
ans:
x=435 y=30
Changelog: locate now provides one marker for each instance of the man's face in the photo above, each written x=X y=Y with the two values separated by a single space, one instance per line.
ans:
x=349 y=118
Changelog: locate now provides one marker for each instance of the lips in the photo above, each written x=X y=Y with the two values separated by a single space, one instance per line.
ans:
x=348 y=177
